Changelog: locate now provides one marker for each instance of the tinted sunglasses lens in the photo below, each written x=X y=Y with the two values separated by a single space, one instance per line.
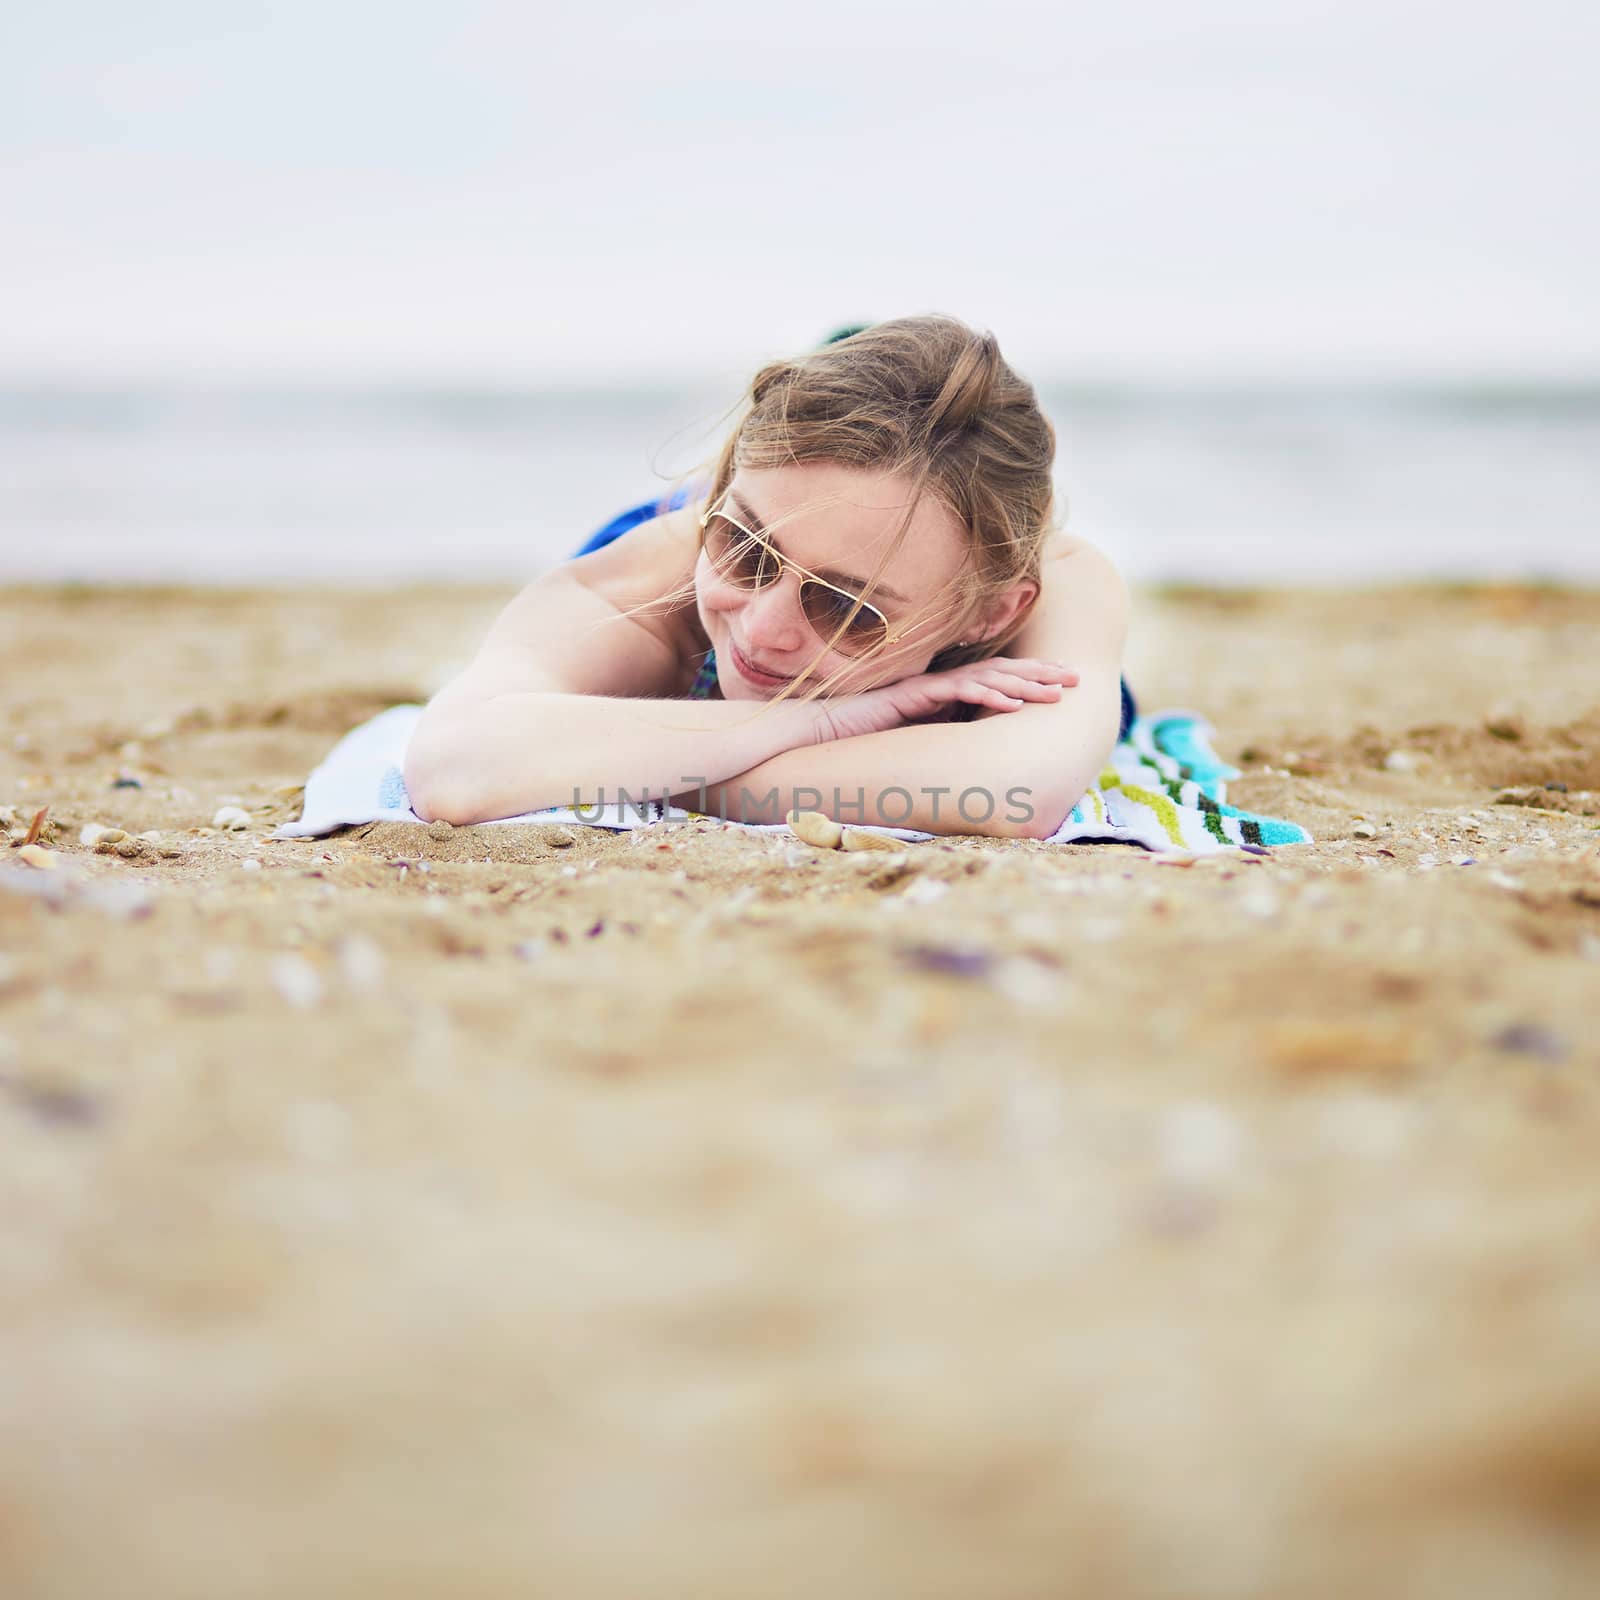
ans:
x=740 y=559
x=826 y=609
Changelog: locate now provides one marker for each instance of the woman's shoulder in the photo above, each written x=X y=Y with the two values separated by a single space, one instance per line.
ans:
x=1061 y=546
x=1081 y=595
x=1071 y=564
x=618 y=621
x=648 y=564
x=643 y=562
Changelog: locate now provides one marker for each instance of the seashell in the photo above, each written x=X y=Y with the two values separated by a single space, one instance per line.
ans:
x=37 y=856
x=816 y=829
x=231 y=818
x=860 y=839
x=1363 y=830
x=39 y=828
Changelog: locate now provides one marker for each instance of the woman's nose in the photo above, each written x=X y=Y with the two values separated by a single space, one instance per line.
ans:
x=772 y=616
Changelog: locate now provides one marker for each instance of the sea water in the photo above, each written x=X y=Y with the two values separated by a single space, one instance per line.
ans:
x=393 y=485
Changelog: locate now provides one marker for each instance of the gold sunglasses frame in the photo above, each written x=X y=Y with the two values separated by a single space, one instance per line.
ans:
x=890 y=636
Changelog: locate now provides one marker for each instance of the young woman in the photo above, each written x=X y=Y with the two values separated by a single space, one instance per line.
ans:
x=861 y=607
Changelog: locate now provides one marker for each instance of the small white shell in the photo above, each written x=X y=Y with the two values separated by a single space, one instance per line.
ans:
x=860 y=839
x=815 y=828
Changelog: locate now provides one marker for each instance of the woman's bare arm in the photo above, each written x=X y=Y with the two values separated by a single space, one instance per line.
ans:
x=510 y=753
x=556 y=706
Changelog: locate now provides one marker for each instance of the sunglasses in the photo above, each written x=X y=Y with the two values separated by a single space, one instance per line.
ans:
x=746 y=561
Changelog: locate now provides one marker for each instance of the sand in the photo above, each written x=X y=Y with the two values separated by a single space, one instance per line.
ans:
x=674 y=1214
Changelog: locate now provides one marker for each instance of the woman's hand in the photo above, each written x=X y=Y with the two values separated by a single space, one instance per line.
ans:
x=1003 y=683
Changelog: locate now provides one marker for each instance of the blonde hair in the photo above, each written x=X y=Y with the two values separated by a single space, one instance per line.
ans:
x=928 y=398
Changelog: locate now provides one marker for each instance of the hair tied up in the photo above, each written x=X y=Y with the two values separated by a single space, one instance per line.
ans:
x=968 y=390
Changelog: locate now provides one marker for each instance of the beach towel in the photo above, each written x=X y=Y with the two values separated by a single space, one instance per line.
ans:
x=1163 y=788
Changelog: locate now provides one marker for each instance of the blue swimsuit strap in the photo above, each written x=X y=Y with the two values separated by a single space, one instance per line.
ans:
x=706 y=679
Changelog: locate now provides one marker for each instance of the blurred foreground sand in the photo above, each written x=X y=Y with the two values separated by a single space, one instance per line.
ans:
x=482 y=1216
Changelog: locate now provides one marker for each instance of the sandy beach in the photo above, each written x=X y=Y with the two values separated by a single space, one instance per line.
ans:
x=571 y=1213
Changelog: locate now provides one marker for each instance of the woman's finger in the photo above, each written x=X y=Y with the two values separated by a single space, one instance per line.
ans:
x=1024 y=664
x=986 y=688
x=1038 y=671
x=1014 y=685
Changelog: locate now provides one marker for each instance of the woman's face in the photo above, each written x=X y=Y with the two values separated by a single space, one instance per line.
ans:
x=836 y=521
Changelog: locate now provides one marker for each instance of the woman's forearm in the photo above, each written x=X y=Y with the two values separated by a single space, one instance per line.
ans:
x=1011 y=775
x=472 y=760
x=928 y=778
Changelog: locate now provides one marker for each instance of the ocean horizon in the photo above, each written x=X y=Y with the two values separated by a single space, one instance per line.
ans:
x=388 y=483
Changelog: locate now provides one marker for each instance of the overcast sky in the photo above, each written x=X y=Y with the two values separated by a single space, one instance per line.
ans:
x=515 y=192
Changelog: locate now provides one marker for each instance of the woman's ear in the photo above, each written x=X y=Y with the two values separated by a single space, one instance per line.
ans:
x=1004 y=609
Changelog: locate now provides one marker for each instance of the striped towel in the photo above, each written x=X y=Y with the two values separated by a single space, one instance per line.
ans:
x=1162 y=788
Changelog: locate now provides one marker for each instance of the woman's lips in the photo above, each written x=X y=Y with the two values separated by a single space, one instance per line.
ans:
x=764 y=680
